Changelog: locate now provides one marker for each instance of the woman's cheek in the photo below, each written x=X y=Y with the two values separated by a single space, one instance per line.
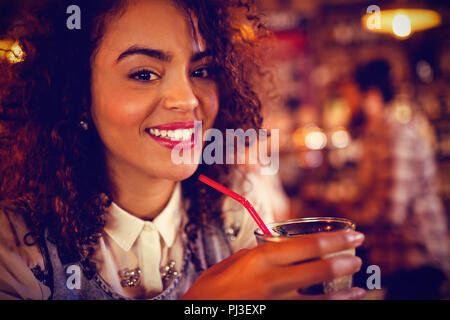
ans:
x=125 y=110
x=115 y=103
x=210 y=105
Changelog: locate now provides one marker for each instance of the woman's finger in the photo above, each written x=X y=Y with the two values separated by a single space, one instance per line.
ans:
x=289 y=295
x=352 y=294
x=307 y=274
x=309 y=246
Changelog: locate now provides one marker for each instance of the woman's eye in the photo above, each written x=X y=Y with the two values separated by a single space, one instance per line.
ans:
x=144 y=75
x=204 y=72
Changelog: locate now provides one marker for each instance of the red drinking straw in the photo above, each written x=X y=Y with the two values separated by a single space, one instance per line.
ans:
x=239 y=199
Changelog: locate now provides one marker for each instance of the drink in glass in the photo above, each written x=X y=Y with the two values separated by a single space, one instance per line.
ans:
x=284 y=230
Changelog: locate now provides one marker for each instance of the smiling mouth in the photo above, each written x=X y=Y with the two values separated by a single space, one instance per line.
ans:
x=181 y=134
x=172 y=135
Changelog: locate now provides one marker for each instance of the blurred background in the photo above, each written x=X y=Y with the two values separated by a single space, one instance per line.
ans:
x=361 y=97
x=339 y=65
x=319 y=46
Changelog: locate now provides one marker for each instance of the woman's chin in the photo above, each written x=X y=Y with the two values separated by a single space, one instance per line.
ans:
x=182 y=171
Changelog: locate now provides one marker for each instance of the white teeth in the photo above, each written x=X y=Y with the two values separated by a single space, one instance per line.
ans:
x=155 y=132
x=186 y=134
x=178 y=135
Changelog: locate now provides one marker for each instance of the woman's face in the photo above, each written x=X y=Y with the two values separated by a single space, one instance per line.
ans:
x=151 y=80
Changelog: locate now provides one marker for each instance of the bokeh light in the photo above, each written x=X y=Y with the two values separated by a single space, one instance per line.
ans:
x=401 y=26
x=316 y=140
x=340 y=138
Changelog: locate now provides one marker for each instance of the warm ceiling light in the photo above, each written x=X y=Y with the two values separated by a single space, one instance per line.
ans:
x=5 y=45
x=401 y=26
x=11 y=51
x=401 y=22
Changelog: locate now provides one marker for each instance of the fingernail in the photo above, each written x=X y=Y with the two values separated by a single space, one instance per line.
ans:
x=357 y=263
x=355 y=237
x=358 y=293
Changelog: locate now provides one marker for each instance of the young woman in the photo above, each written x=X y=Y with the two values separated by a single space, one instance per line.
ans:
x=88 y=185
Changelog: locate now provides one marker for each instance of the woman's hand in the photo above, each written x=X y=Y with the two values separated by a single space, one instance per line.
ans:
x=277 y=270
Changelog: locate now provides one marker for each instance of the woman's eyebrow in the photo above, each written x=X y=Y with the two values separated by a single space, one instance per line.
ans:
x=200 y=55
x=159 y=54
x=152 y=53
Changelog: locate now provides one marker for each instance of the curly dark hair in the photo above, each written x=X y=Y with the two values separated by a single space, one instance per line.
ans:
x=53 y=172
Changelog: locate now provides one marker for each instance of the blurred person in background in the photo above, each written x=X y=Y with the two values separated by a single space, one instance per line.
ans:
x=397 y=206
x=88 y=182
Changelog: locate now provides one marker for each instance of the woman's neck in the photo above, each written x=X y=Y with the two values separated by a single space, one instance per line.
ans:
x=142 y=196
x=144 y=204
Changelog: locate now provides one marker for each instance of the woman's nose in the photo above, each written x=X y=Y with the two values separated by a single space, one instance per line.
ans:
x=180 y=96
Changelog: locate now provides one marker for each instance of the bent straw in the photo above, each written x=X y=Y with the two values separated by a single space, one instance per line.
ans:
x=239 y=199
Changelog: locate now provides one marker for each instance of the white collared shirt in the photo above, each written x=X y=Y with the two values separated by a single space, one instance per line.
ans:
x=130 y=242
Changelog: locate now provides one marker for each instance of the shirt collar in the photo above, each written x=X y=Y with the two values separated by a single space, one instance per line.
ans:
x=124 y=228
x=168 y=221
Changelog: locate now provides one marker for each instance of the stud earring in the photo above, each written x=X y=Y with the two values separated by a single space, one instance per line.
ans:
x=84 y=125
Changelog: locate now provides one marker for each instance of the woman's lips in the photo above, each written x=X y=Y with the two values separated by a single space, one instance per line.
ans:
x=167 y=141
x=175 y=125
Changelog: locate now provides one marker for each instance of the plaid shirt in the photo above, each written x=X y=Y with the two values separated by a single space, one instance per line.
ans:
x=398 y=207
